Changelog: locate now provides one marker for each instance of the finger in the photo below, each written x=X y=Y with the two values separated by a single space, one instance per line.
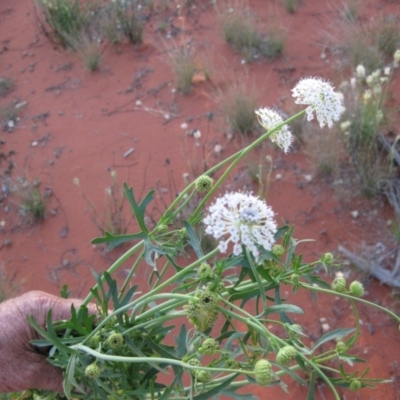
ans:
x=62 y=308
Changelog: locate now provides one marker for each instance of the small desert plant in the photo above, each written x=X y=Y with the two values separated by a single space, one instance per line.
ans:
x=128 y=19
x=351 y=9
x=290 y=5
x=240 y=33
x=364 y=118
x=325 y=150
x=32 y=202
x=386 y=34
x=239 y=105
x=184 y=68
x=65 y=18
x=112 y=219
x=91 y=53
x=368 y=43
x=6 y=86
x=9 y=115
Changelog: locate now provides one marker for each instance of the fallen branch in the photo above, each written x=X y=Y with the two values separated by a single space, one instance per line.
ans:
x=374 y=267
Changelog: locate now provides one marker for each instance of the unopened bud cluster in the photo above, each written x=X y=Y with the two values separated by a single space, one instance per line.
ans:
x=263 y=372
x=286 y=354
x=202 y=311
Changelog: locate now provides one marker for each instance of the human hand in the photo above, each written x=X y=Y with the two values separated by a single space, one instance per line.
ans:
x=22 y=366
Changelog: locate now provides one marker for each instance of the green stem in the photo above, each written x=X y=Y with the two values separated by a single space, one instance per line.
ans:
x=239 y=155
x=347 y=296
x=159 y=360
x=114 y=267
x=131 y=272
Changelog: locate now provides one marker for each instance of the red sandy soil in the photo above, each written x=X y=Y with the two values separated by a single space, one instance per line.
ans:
x=79 y=124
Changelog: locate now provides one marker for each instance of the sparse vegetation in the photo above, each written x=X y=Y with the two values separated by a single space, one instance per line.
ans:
x=32 y=202
x=239 y=31
x=290 y=5
x=239 y=105
x=364 y=118
x=112 y=219
x=9 y=115
x=6 y=86
x=184 y=68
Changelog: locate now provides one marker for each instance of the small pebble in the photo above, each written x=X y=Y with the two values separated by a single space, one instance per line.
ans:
x=355 y=214
x=278 y=177
x=8 y=242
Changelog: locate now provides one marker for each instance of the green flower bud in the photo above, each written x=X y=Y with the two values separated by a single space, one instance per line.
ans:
x=357 y=289
x=292 y=333
x=275 y=271
x=162 y=228
x=204 y=271
x=231 y=363
x=209 y=347
x=327 y=259
x=115 y=341
x=339 y=285
x=94 y=341
x=263 y=372
x=92 y=371
x=201 y=317
x=203 y=184
x=278 y=250
x=355 y=384
x=286 y=354
x=209 y=299
x=341 y=347
x=183 y=233
x=195 y=362
x=295 y=278
x=203 y=375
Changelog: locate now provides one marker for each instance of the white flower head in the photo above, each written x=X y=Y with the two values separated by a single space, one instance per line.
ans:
x=242 y=219
x=320 y=97
x=269 y=119
x=360 y=71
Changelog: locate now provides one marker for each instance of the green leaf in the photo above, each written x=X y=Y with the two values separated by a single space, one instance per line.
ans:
x=311 y=388
x=257 y=277
x=193 y=239
x=283 y=230
x=149 y=250
x=138 y=209
x=215 y=390
x=116 y=240
x=50 y=335
x=181 y=342
x=351 y=359
x=69 y=379
x=231 y=394
x=290 y=373
x=282 y=308
x=278 y=301
x=64 y=292
x=337 y=334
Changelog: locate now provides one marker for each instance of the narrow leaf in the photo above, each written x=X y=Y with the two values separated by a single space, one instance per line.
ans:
x=193 y=239
x=336 y=334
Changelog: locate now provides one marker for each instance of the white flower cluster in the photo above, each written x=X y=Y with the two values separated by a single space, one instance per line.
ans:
x=242 y=219
x=320 y=97
x=269 y=119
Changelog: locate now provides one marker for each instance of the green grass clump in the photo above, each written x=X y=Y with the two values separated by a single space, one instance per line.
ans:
x=6 y=86
x=240 y=32
x=239 y=106
x=290 y=5
x=184 y=68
